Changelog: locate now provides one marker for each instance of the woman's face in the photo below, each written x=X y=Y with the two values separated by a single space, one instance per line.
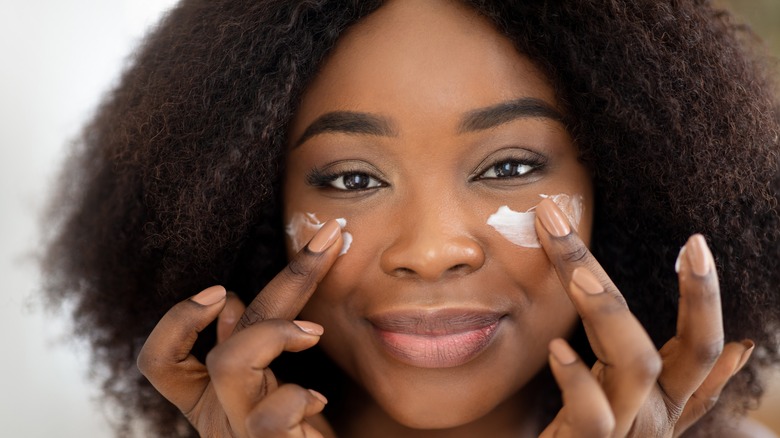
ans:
x=422 y=123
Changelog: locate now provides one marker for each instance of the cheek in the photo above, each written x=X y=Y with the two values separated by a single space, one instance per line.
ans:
x=301 y=227
x=518 y=226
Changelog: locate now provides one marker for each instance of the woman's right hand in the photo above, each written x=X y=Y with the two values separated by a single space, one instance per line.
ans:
x=235 y=394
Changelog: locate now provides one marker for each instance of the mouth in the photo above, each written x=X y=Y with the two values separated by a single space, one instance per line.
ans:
x=435 y=339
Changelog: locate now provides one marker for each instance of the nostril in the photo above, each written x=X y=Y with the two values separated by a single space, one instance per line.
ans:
x=460 y=267
x=404 y=272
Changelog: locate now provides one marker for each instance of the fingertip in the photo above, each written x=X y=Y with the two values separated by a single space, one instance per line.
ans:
x=325 y=237
x=699 y=255
x=310 y=327
x=743 y=360
x=210 y=296
x=319 y=396
x=552 y=218
x=229 y=316
x=562 y=352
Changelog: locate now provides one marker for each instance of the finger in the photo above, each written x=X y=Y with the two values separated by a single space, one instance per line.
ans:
x=691 y=354
x=283 y=412
x=165 y=357
x=239 y=366
x=229 y=316
x=286 y=294
x=586 y=411
x=734 y=357
x=631 y=362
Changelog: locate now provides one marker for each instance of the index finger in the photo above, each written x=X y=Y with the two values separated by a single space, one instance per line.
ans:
x=563 y=246
x=285 y=295
x=632 y=363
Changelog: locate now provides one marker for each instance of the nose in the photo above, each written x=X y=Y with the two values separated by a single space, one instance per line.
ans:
x=432 y=245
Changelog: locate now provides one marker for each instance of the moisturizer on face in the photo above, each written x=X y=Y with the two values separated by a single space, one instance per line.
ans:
x=518 y=226
x=302 y=227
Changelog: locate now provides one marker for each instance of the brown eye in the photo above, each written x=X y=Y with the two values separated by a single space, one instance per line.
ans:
x=355 y=181
x=507 y=169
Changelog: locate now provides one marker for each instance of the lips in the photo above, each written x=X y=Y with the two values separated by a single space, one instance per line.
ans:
x=435 y=339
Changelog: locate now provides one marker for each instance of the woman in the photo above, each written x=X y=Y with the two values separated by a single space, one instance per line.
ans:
x=461 y=187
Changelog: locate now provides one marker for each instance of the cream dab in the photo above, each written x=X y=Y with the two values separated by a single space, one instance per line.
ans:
x=518 y=226
x=302 y=227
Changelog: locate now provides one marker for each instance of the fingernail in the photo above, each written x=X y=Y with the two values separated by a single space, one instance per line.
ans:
x=310 y=327
x=561 y=351
x=319 y=396
x=749 y=346
x=678 y=262
x=210 y=296
x=699 y=255
x=325 y=237
x=552 y=218
x=586 y=281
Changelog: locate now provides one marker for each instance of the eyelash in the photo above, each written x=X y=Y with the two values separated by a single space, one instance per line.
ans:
x=327 y=180
x=531 y=165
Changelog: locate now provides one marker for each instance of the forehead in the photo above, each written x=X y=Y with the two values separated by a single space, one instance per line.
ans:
x=422 y=59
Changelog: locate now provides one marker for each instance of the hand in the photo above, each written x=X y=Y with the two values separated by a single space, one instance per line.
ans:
x=235 y=394
x=633 y=389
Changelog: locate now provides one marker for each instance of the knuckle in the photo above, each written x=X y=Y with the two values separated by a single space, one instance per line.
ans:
x=603 y=425
x=251 y=315
x=298 y=269
x=708 y=353
x=611 y=303
x=707 y=403
x=646 y=366
x=298 y=275
x=575 y=254
x=263 y=423
x=219 y=364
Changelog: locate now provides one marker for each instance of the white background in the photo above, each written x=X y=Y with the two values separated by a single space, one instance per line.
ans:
x=57 y=58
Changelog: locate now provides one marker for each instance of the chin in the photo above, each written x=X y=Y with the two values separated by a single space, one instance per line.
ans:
x=444 y=401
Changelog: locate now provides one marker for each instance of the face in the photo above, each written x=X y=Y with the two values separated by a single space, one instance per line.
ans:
x=421 y=125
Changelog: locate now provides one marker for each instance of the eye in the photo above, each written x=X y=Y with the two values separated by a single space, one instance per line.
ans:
x=354 y=181
x=508 y=169
x=345 y=179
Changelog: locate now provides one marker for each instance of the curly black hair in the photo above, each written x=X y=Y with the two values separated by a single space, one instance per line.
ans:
x=174 y=186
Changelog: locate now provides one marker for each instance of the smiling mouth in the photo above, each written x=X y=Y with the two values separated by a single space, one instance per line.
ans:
x=441 y=339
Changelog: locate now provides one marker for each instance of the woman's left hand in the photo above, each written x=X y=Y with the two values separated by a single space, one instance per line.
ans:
x=633 y=389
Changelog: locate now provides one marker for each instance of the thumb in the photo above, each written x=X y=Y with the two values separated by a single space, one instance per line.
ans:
x=165 y=358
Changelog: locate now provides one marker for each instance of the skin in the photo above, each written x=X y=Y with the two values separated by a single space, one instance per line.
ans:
x=422 y=67
x=399 y=66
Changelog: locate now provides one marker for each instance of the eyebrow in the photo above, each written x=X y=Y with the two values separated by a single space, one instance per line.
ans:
x=348 y=122
x=357 y=123
x=505 y=112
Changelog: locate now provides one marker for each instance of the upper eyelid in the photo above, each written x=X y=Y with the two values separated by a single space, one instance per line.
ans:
x=535 y=159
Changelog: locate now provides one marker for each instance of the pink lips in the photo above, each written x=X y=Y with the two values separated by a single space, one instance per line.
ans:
x=440 y=339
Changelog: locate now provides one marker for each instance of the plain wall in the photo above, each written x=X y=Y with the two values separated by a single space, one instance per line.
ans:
x=57 y=57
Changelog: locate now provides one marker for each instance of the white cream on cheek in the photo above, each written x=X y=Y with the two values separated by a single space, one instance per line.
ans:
x=518 y=226
x=303 y=226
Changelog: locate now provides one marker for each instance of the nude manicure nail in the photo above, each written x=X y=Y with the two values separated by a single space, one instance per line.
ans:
x=319 y=396
x=585 y=280
x=699 y=255
x=750 y=346
x=562 y=352
x=210 y=296
x=310 y=327
x=552 y=218
x=325 y=237
x=678 y=262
